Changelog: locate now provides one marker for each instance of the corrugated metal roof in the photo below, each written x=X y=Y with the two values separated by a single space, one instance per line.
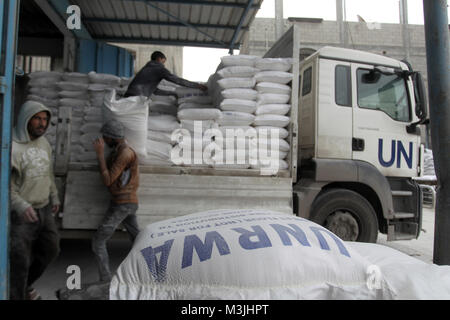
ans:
x=208 y=23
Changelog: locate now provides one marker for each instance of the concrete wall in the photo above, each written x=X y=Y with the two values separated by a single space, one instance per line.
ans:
x=386 y=39
x=143 y=52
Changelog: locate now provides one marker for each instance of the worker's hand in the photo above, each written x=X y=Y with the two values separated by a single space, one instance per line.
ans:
x=55 y=209
x=30 y=216
x=202 y=87
x=99 y=146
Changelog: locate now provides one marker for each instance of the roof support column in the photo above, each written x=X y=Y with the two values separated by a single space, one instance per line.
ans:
x=438 y=56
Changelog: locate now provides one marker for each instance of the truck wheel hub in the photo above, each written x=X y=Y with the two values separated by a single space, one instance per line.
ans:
x=344 y=225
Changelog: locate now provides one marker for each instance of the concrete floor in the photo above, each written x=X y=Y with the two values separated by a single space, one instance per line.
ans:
x=78 y=252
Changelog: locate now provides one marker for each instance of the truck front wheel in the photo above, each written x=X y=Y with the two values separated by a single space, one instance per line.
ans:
x=347 y=214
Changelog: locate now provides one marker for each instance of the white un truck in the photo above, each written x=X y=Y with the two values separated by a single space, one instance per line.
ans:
x=355 y=147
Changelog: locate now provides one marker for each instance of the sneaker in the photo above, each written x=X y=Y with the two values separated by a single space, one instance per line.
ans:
x=33 y=294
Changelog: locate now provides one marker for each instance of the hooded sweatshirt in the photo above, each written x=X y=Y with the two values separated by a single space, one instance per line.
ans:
x=32 y=179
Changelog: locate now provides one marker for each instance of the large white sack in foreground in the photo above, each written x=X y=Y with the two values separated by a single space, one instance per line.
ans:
x=242 y=254
x=132 y=112
x=409 y=278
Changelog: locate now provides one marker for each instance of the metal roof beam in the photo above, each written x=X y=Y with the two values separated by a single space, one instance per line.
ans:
x=187 y=24
x=239 y=27
x=204 y=3
x=159 y=23
x=203 y=44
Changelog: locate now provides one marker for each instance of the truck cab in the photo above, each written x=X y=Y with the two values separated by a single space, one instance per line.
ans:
x=360 y=144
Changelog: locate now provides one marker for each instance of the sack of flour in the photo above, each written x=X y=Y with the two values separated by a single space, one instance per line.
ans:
x=243 y=254
x=132 y=112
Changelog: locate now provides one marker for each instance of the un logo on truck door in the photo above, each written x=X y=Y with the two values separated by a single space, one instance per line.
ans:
x=398 y=151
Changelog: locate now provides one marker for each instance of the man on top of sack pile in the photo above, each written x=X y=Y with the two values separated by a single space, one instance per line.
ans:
x=147 y=79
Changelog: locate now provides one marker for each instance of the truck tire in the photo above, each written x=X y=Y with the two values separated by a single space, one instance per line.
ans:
x=347 y=214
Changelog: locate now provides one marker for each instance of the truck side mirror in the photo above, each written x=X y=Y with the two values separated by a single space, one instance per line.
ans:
x=419 y=95
x=421 y=103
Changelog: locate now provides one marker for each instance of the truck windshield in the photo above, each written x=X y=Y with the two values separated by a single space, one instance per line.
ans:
x=388 y=93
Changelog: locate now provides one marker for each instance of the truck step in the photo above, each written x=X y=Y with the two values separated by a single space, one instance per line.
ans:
x=403 y=215
x=402 y=193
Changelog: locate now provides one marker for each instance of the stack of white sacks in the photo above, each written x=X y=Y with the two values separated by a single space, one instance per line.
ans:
x=195 y=108
x=253 y=93
x=273 y=110
x=233 y=89
x=162 y=121
x=74 y=94
x=98 y=85
x=42 y=88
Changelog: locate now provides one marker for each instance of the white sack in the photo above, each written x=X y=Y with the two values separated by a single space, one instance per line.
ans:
x=91 y=127
x=47 y=93
x=239 y=60
x=240 y=105
x=132 y=112
x=280 y=109
x=234 y=118
x=74 y=103
x=204 y=125
x=273 y=76
x=199 y=114
x=75 y=77
x=39 y=82
x=54 y=103
x=272 y=98
x=270 y=87
x=274 y=64
x=72 y=86
x=237 y=93
x=271 y=120
x=72 y=94
x=167 y=99
x=237 y=72
x=229 y=83
x=197 y=99
x=242 y=255
x=109 y=79
x=45 y=74
x=164 y=123
x=159 y=149
x=408 y=277
x=159 y=136
x=267 y=130
x=194 y=105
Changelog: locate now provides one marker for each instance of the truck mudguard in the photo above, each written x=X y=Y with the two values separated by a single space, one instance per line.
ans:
x=356 y=171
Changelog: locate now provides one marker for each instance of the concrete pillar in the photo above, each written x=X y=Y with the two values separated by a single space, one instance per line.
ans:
x=279 y=20
x=405 y=29
x=342 y=26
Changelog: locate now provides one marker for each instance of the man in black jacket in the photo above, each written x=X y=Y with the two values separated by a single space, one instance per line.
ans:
x=147 y=79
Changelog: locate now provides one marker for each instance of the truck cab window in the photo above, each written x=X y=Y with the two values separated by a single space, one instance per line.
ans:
x=307 y=78
x=387 y=93
x=343 y=86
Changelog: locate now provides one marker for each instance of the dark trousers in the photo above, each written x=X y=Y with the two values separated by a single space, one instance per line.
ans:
x=116 y=214
x=33 y=247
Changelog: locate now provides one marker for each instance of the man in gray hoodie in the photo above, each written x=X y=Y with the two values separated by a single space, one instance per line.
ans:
x=34 y=201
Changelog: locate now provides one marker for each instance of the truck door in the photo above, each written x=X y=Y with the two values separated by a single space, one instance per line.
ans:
x=382 y=109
